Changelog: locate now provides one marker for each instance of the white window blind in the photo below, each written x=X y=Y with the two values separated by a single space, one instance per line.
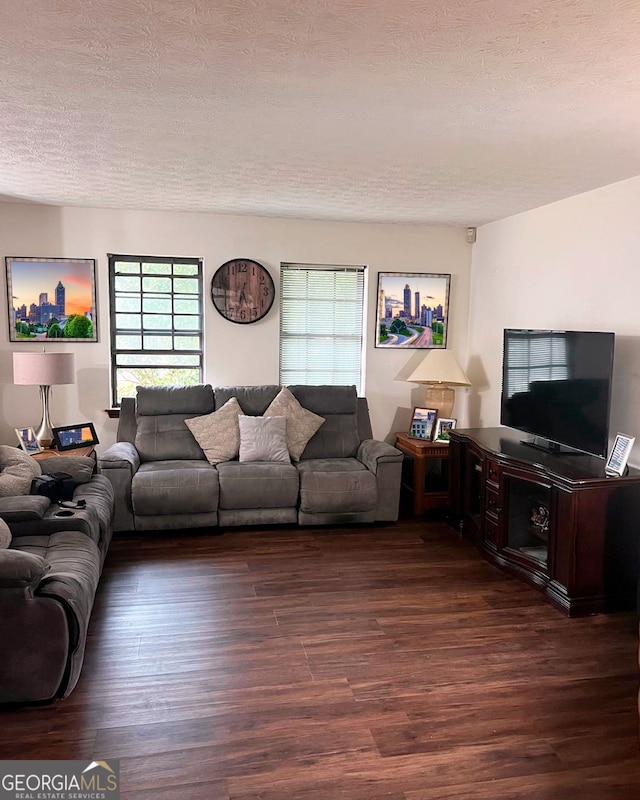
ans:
x=535 y=358
x=321 y=324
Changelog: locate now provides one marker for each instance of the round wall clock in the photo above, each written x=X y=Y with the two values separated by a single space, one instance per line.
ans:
x=242 y=290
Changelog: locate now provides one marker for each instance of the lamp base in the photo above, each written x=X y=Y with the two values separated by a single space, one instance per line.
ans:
x=43 y=433
x=440 y=397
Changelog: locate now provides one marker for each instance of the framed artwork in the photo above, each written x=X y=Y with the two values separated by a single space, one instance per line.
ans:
x=412 y=310
x=28 y=441
x=619 y=455
x=70 y=437
x=51 y=299
x=443 y=428
x=423 y=421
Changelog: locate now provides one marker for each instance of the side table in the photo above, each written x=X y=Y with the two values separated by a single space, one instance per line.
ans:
x=422 y=453
x=89 y=452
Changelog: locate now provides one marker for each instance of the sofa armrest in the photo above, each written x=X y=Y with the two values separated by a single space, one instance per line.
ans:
x=372 y=453
x=20 y=570
x=121 y=455
x=119 y=463
x=385 y=462
x=23 y=508
x=79 y=467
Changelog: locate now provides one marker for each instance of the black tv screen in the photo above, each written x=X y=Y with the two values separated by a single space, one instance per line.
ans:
x=556 y=385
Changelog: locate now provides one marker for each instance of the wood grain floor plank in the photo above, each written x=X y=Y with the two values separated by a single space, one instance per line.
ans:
x=360 y=663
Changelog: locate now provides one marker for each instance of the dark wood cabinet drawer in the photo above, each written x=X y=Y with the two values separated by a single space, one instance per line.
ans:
x=491 y=532
x=492 y=503
x=493 y=472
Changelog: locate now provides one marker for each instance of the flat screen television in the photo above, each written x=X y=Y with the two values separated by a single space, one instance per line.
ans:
x=556 y=386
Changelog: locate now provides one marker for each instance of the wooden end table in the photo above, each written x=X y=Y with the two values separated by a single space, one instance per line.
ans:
x=89 y=452
x=423 y=452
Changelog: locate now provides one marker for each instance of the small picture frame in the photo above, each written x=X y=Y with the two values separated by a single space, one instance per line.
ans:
x=423 y=422
x=619 y=455
x=444 y=426
x=28 y=441
x=71 y=437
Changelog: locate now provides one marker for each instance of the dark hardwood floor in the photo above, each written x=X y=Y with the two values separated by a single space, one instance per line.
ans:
x=384 y=662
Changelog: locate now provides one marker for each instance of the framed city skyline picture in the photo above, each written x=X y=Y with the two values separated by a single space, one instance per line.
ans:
x=412 y=310
x=51 y=299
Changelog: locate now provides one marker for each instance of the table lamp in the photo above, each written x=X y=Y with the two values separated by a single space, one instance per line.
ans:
x=439 y=371
x=44 y=370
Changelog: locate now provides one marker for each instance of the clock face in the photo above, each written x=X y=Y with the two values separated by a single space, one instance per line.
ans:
x=242 y=291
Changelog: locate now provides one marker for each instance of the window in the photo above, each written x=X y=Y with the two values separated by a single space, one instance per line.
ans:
x=321 y=324
x=156 y=322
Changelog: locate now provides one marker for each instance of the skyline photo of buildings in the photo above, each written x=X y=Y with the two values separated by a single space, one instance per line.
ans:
x=412 y=310
x=42 y=292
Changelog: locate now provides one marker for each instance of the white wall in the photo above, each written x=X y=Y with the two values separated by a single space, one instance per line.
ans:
x=235 y=354
x=572 y=265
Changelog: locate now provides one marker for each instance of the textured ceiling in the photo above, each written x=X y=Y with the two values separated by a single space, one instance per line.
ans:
x=449 y=112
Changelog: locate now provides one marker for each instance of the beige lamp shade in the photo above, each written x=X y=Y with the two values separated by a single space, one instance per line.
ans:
x=440 y=371
x=43 y=370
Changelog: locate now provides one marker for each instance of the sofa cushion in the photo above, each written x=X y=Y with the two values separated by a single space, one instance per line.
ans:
x=301 y=423
x=263 y=439
x=174 y=487
x=336 y=485
x=218 y=433
x=17 y=470
x=339 y=436
x=254 y=400
x=73 y=564
x=327 y=399
x=161 y=411
x=258 y=484
x=160 y=438
x=153 y=401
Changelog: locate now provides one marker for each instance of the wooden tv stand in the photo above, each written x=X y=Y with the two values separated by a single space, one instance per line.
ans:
x=554 y=520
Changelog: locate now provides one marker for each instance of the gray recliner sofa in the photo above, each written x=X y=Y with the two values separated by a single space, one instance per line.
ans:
x=162 y=479
x=48 y=580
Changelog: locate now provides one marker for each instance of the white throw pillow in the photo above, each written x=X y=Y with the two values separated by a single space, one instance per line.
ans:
x=263 y=439
x=218 y=433
x=17 y=470
x=301 y=423
x=5 y=535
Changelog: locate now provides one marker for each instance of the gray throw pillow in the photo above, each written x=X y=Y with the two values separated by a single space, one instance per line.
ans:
x=263 y=439
x=17 y=470
x=5 y=535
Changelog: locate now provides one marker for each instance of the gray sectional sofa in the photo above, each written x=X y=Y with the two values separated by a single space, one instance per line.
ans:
x=163 y=480
x=48 y=579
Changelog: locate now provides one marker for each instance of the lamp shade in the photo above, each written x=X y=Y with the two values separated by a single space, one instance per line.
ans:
x=43 y=369
x=439 y=366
